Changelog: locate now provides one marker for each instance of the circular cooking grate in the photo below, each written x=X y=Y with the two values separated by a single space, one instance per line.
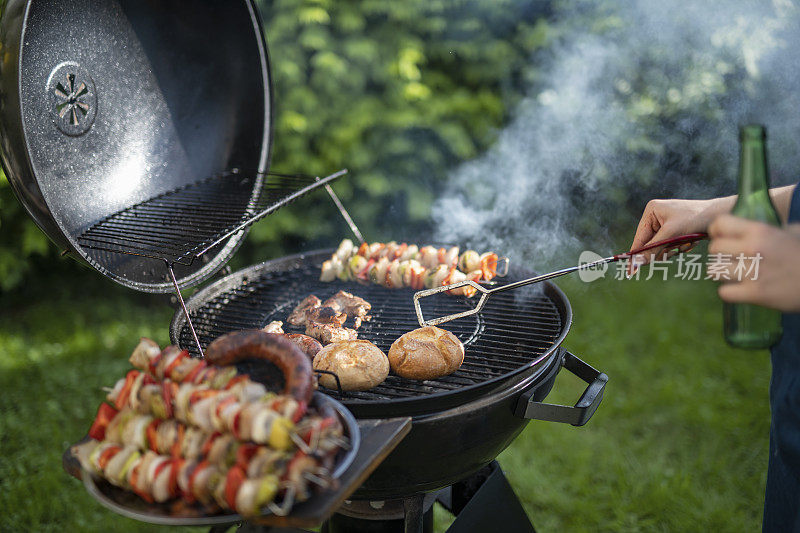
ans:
x=515 y=331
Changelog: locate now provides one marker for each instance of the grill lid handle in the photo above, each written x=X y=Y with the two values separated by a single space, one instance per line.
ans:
x=576 y=415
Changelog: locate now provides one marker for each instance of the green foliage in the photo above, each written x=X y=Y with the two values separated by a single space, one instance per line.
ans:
x=397 y=92
x=20 y=239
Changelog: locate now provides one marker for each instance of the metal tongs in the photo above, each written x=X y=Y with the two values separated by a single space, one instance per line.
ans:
x=668 y=244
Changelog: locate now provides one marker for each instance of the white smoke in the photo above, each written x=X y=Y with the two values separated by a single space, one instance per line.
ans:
x=648 y=105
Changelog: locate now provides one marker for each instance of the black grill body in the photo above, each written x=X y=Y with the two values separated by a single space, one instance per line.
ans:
x=461 y=422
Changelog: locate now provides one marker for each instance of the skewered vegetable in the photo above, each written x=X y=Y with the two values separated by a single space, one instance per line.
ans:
x=213 y=436
x=393 y=265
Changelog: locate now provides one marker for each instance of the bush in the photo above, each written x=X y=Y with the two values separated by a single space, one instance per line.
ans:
x=20 y=239
x=397 y=92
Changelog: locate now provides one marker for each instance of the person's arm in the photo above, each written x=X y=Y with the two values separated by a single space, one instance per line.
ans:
x=663 y=219
x=782 y=200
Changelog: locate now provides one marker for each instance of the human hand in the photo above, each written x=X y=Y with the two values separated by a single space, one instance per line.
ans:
x=777 y=283
x=664 y=219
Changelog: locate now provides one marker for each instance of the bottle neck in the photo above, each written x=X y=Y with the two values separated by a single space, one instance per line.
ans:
x=753 y=176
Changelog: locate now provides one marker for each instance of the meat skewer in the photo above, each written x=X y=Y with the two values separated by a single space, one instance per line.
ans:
x=319 y=434
x=264 y=420
x=213 y=435
x=217 y=370
x=160 y=478
x=350 y=263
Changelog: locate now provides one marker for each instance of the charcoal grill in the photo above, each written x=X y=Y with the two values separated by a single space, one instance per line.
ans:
x=141 y=147
x=515 y=334
x=461 y=422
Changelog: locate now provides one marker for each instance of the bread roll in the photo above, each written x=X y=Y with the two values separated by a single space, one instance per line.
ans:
x=426 y=353
x=359 y=364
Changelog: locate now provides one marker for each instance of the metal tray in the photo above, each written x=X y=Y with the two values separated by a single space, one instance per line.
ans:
x=128 y=504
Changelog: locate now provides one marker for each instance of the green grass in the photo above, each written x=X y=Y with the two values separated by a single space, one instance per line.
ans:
x=678 y=444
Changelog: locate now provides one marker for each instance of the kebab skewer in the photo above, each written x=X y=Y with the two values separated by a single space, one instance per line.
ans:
x=248 y=484
x=319 y=436
x=179 y=366
x=160 y=478
x=393 y=265
x=263 y=420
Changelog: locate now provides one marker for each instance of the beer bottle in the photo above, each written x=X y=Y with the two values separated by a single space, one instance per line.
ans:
x=747 y=325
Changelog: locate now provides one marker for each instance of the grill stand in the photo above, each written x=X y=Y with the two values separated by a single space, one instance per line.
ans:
x=480 y=503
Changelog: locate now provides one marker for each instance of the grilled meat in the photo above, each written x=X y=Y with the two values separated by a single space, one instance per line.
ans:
x=353 y=306
x=325 y=315
x=298 y=316
x=276 y=326
x=328 y=333
x=308 y=345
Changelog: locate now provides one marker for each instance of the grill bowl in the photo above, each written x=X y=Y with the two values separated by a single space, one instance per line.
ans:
x=460 y=423
x=514 y=337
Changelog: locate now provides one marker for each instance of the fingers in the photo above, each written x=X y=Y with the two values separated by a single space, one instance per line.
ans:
x=640 y=260
x=683 y=248
x=648 y=226
x=723 y=245
x=743 y=292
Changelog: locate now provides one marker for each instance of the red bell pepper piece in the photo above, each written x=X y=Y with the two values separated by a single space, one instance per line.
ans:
x=122 y=397
x=105 y=414
x=236 y=475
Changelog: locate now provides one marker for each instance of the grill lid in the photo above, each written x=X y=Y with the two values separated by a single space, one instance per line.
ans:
x=512 y=338
x=110 y=105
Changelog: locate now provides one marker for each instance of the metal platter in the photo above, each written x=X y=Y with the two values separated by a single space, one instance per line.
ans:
x=126 y=503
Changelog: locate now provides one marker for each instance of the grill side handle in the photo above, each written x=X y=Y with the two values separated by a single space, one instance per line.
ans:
x=576 y=415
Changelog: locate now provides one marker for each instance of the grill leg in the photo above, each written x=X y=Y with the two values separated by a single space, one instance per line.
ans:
x=487 y=502
x=414 y=513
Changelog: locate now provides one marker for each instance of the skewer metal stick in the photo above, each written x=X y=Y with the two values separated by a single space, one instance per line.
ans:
x=286 y=506
x=343 y=211
x=185 y=311
x=342 y=443
x=313 y=478
x=300 y=443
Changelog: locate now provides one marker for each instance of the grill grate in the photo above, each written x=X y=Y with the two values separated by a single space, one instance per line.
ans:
x=514 y=329
x=183 y=224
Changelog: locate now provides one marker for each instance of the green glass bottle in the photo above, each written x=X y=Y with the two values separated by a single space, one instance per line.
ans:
x=747 y=325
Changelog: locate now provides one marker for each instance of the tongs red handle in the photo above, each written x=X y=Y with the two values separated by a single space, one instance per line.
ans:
x=668 y=244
